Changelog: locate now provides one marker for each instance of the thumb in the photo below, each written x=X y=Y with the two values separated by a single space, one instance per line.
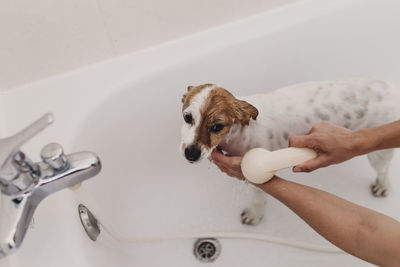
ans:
x=312 y=164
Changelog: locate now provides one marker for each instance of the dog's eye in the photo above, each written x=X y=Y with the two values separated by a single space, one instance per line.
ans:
x=188 y=118
x=216 y=128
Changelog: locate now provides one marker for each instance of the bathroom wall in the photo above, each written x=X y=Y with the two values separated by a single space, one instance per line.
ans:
x=45 y=37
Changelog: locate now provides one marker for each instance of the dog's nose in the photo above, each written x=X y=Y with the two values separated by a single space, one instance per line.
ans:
x=192 y=152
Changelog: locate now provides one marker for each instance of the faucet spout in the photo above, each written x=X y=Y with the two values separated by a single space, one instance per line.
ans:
x=81 y=166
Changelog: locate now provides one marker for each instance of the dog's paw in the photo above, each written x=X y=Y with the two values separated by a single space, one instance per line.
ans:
x=379 y=190
x=252 y=216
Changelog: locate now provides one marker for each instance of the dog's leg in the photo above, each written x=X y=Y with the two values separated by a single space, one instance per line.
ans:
x=380 y=161
x=255 y=212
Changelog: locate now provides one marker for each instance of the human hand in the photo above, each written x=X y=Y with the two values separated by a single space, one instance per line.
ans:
x=333 y=145
x=227 y=164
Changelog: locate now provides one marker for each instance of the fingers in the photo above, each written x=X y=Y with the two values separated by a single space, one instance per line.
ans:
x=216 y=155
x=313 y=164
x=301 y=141
x=219 y=157
x=228 y=162
x=228 y=165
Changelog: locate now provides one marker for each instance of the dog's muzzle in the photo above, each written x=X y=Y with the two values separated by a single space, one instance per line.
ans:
x=192 y=152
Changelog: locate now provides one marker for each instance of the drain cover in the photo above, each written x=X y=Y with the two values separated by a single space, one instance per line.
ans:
x=207 y=249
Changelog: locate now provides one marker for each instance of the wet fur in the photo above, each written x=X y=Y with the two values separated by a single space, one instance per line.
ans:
x=268 y=120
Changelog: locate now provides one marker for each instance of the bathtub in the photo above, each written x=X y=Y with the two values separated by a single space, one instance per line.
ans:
x=128 y=111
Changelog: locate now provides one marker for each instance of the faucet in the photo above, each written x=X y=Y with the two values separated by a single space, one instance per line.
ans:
x=23 y=184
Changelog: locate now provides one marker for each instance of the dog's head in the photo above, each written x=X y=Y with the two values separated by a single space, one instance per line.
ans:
x=209 y=112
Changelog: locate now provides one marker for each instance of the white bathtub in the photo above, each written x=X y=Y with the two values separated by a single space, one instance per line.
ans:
x=128 y=111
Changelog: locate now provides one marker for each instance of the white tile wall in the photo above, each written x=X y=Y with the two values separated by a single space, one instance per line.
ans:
x=44 y=37
x=141 y=23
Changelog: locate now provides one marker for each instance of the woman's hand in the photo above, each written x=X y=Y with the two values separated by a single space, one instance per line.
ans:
x=333 y=144
x=227 y=164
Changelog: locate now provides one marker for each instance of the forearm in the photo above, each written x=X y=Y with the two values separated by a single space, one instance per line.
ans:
x=377 y=138
x=359 y=231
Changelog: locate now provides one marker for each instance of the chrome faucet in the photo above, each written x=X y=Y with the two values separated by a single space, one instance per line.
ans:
x=23 y=184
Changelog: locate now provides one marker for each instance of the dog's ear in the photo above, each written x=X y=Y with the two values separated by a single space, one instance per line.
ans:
x=189 y=88
x=244 y=112
x=184 y=97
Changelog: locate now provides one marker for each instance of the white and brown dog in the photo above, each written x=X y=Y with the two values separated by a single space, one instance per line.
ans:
x=214 y=118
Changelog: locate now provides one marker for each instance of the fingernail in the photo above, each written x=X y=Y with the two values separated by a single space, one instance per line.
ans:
x=296 y=169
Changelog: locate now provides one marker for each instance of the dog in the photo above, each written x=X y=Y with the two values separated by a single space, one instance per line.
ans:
x=213 y=118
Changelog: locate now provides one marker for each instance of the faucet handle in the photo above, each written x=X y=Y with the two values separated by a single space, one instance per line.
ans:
x=53 y=155
x=10 y=145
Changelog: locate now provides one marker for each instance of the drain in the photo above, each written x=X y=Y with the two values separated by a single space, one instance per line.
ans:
x=89 y=222
x=206 y=249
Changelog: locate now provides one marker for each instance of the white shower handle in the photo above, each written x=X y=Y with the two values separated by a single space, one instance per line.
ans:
x=259 y=165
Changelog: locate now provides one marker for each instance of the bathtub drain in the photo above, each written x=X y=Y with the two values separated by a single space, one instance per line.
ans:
x=207 y=249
